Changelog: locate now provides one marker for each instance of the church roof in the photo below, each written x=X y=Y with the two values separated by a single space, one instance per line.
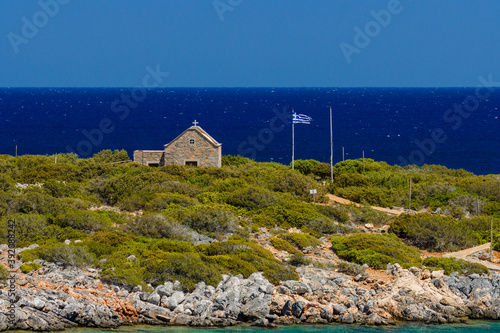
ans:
x=200 y=131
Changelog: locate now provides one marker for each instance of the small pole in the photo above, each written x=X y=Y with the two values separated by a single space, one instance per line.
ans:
x=16 y=150
x=314 y=197
x=331 y=145
x=409 y=199
x=55 y=159
x=491 y=243
x=343 y=157
x=293 y=141
x=363 y=161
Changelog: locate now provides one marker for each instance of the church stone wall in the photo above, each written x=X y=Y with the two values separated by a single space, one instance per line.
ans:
x=202 y=151
x=149 y=157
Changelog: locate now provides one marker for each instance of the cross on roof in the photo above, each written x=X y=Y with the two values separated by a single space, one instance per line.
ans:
x=195 y=122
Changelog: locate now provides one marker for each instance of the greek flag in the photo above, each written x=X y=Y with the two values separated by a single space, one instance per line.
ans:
x=301 y=119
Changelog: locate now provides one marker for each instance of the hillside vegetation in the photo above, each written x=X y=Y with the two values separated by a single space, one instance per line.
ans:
x=159 y=221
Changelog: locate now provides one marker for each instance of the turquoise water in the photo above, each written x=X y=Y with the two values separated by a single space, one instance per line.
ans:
x=473 y=327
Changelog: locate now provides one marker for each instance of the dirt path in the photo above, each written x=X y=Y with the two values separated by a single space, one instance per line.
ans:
x=335 y=199
x=464 y=253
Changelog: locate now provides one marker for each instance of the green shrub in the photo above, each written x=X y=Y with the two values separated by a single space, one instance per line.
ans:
x=157 y=226
x=325 y=225
x=480 y=227
x=451 y=265
x=61 y=234
x=366 y=214
x=105 y=242
x=47 y=172
x=290 y=181
x=433 y=232
x=65 y=254
x=281 y=244
x=163 y=200
x=27 y=256
x=26 y=268
x=169 y=245
x=234 y=160
x=252 y=198
x=338 y=214
x=86 y=221
x=321 y=171
x=108 y=156
x=260 y=258
x=299 y=259
x=211 y=220
x=27 y=226
x=301 y=240
x=285 y=215
x=375 y=250
x=350 y=268
x=231 y=264
x=492 y=208
x=179 y=187
x=6 y=183
x=119 y=271
x=4 y=274
x=352 y=179
x=305 y=167
x=187 y=268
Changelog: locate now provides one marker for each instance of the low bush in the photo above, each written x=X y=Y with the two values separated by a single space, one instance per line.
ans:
x=283 y=245
x=86 y=221
x=26 y=268
x=156 y=226
x=104 y=243
x=169 y=245
x=252 y=198
x=339 y=214
x=163 y=200
x=375 y=250
x=211 y=220
x=350 y=268
x=285 y=215
x=433 y=232
x=234 y=160
x=118 y=270
x=261 y=259
x=305 y=167
x=366 y=214
x=299 y=260
x=450 y=265
x=301 y=240
x=325 y=225
x=62 y=253
x=231 y=264
x=61 y=234
x=187 y=268
x=4 y=274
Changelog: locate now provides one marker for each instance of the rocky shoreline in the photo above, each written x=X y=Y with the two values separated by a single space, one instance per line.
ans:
x=56 y=298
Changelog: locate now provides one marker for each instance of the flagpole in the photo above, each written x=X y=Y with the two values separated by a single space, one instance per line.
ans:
x=293 y=141
x=331 y=145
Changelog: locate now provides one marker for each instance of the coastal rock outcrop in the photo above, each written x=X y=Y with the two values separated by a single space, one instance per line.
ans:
x=56 y=297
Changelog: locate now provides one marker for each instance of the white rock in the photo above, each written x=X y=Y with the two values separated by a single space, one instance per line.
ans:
x=437 y=274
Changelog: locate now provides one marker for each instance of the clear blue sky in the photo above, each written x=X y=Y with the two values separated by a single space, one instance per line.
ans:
x=257 y=43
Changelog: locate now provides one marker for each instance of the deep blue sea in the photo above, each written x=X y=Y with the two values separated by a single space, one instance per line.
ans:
x=458 y=128
x=472 y=327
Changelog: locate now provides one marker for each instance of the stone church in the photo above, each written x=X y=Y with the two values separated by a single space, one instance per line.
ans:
x=193 y=147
